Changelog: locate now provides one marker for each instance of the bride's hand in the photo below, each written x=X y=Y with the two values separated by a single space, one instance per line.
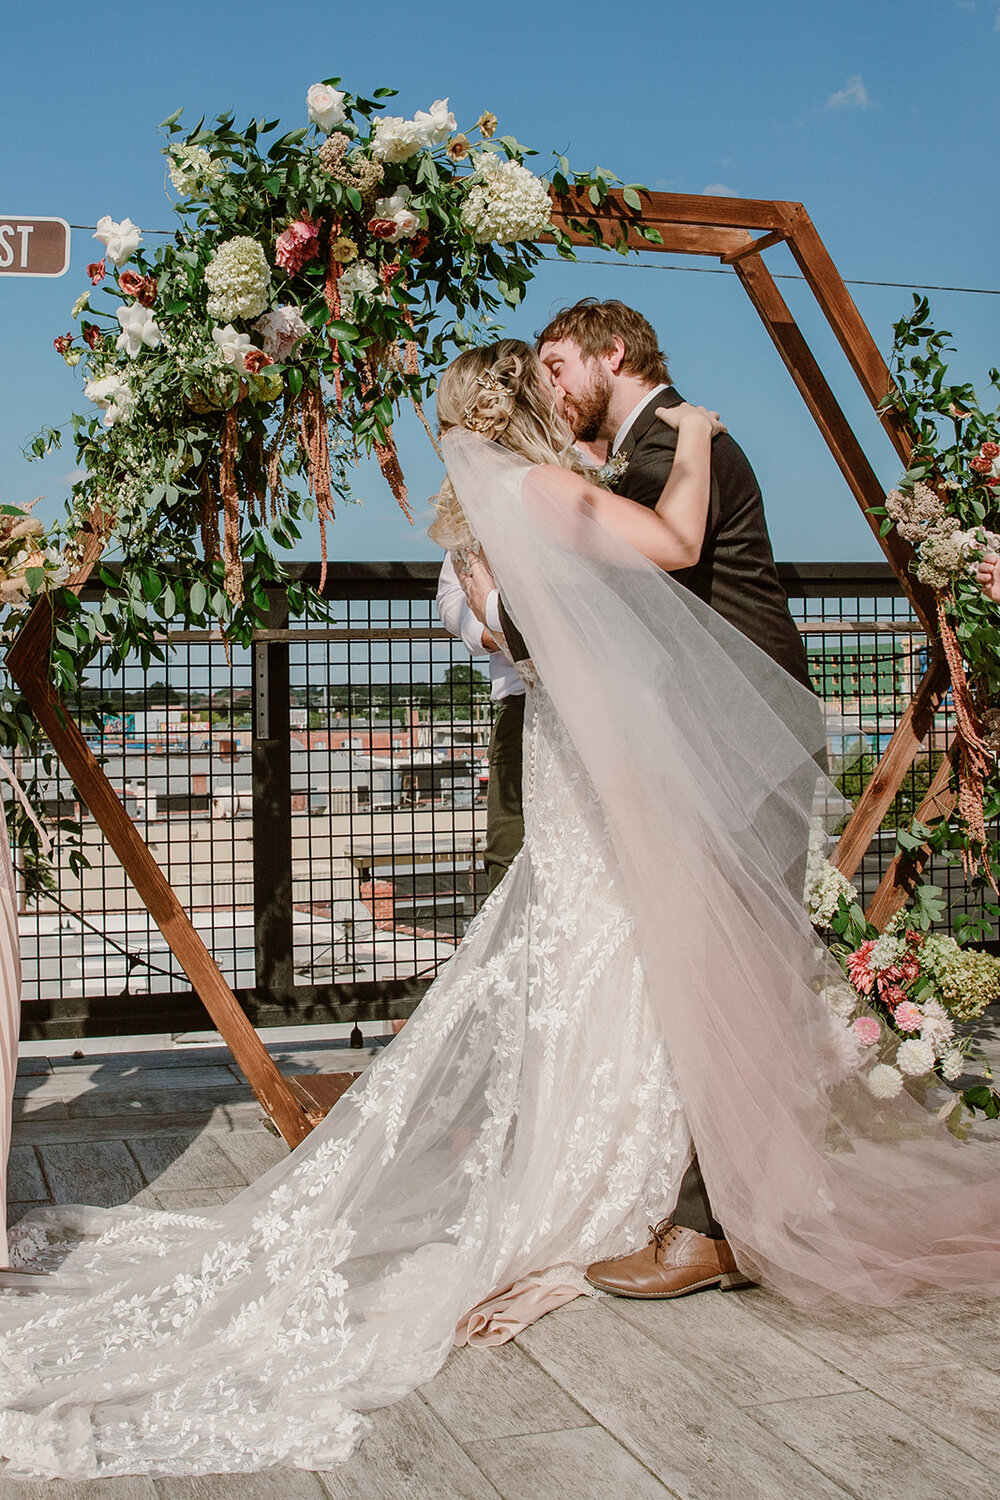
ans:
x=988 y=576
x=685 y=414
x=477 y=583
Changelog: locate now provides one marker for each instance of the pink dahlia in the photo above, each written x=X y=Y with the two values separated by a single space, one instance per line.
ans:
x=907 y=1016
x=859 y=967
x=867 y=1030
x=297 y=245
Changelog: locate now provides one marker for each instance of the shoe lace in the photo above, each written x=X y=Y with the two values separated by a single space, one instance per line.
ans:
x=663 y=1234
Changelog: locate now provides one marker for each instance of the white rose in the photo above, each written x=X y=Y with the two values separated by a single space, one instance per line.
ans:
x=280 y=330
x=395 y=139
x=234 y=346
x=121 y=240
x=407 y=224
x=326 y=107
x=952 y=1064
x=138 y=329
x=436 y=125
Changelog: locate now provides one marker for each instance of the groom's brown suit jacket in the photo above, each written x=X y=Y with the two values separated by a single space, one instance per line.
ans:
x=735 y=573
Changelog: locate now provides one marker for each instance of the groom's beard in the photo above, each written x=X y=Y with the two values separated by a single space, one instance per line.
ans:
x=587 y=413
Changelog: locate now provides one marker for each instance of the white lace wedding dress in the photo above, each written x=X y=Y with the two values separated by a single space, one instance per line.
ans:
x=526 y=1117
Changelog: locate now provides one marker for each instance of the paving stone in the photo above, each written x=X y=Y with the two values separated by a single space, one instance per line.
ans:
x=177 y=1162
x=253 y=1152
x=269 y=1484
x=499 y=1392
x=409 y=1453
x=102 y=1173
x=24 y=1175
x=694 y=1441
x=102 y=1102
x=584 y=1464
x=876 y=1451
x=17 y=1211
x=128 y=1487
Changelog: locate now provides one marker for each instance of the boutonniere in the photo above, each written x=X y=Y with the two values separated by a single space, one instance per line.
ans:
x=610 y=473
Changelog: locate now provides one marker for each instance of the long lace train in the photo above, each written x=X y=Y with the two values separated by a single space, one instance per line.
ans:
x=526 y=1117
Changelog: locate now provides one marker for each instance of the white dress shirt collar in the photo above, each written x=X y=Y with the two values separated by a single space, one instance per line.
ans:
x=623 y=430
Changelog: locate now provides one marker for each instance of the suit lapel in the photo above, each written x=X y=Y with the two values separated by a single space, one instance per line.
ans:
x=647 y=418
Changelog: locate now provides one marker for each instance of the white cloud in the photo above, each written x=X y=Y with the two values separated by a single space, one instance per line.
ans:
x=853 y=96
x=718 y=190
x=73 y=476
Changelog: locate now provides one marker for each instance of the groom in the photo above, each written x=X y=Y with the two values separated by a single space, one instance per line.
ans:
x=604 y=359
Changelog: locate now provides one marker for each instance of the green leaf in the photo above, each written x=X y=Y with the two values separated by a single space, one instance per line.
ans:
x=198 y=597
x=294 y=380
x=632 y=198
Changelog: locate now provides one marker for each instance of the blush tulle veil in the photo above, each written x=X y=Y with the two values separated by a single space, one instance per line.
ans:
x=705 y=755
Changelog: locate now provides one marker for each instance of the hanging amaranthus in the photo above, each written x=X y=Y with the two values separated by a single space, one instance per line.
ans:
x=973 y=761
x=232 y=561
x=312 y=430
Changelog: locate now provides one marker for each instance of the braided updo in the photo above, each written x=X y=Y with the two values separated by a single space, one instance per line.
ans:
x=501 y=392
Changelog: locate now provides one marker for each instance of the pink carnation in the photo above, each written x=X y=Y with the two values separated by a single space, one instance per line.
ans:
x=297 y=245
x=867 y=1030
x=908 y=1017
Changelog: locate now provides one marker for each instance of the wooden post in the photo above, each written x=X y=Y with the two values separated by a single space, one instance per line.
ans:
x=903 y=875
x=27 y=661
x=911 y=731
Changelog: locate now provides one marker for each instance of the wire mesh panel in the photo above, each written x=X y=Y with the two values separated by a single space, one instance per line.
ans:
x=319 y=802
x=867 y=654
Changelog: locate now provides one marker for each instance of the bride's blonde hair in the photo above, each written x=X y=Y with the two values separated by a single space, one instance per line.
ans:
x=502 y=392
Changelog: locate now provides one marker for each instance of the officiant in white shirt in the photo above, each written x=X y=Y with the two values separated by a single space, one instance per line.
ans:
x=504 y=812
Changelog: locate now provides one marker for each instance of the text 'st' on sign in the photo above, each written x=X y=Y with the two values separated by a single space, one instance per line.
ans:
x=33 y=247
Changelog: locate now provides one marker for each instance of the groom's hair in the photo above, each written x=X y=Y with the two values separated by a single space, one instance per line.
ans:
x=593 y=326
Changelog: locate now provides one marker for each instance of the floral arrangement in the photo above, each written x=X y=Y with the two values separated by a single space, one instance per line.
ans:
x=906 y=990
x=947 y=506
x=314 y=286
x=31 y=560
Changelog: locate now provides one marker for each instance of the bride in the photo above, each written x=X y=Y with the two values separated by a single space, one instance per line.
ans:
x=643 y=960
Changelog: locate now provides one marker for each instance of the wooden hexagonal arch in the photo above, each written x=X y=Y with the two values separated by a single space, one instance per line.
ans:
x=737 y=232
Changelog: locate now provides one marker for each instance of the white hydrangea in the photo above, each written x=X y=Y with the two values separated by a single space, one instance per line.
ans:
x=823 y=897
x=192 y=167
x=915 y=1057
x=884 y=1081
x=358 y=280
x=506 y=202
x=238 y=278
x=885 y=952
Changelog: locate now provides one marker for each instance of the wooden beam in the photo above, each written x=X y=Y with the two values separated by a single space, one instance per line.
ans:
x=836 y=429
x=28 y=664
x=903 y=875
x=678 y=239
x=755 y=247
x=911 y=731
x=840 y=311
x=686 y=208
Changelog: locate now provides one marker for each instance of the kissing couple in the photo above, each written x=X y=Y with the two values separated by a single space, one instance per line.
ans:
x=636 y=1028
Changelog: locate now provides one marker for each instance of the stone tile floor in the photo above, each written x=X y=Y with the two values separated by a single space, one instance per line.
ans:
x=713 y=1397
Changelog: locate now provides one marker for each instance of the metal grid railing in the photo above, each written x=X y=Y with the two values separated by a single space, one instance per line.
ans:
x=318 y=802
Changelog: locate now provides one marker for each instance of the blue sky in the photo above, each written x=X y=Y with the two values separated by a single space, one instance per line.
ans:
x=880 y=118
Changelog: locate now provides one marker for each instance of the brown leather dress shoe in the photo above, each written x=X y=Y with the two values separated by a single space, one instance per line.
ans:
x=676 y=1261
